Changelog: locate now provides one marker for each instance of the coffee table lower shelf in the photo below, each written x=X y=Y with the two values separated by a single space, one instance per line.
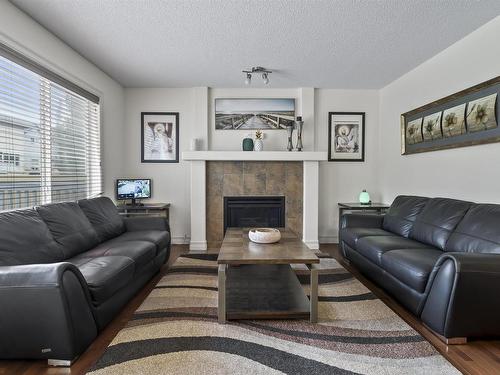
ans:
x=264 y=291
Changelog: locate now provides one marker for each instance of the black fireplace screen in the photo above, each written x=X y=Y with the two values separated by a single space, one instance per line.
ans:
x=254 y=212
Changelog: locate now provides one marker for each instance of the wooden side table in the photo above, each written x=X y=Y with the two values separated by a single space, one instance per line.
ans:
x=378 y=208
x=148 y=209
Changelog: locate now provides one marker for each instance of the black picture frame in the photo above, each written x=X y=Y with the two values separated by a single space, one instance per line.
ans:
x=361 y=157
x=281 y=124
x=176 y=141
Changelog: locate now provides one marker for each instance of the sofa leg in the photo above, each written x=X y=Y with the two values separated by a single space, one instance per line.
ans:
x=59 y=362
x=448 y=340
x=455 y=340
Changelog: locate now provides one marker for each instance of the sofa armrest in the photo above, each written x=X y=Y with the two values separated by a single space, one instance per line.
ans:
x=359 y=220
x=46 y=312
x=133 y=224
x=463 y=299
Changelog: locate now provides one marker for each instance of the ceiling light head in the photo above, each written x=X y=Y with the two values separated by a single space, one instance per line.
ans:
x=265 y=79
x=257 y=69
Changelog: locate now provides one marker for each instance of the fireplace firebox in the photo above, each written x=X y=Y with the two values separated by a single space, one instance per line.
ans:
x=254 y=211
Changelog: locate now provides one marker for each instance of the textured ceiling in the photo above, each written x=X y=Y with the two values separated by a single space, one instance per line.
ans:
x=315 y=43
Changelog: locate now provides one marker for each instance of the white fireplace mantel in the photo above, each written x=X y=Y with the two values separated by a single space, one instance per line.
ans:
x=255 y=156
x=310 y=161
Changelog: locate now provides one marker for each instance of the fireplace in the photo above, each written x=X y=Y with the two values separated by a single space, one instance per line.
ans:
x=254 y=211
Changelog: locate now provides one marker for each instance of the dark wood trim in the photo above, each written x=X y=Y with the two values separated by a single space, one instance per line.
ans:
x=330 y=114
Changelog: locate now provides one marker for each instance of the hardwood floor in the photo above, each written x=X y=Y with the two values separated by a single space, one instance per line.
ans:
x=97 y=348
x=476 y=357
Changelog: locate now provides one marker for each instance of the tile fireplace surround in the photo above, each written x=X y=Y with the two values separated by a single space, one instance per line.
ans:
x=215 y=174
x=252 y=178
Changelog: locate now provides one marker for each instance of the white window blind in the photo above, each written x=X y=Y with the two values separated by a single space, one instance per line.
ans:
x=49 y=138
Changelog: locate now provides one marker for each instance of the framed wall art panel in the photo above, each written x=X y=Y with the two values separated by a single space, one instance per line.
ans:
x=159 y=137
x=469 y=117
x=346 y=136
x=254 y=113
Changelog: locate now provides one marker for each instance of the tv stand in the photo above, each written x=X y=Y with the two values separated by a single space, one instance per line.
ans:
x=145 y=209
x=134 y=203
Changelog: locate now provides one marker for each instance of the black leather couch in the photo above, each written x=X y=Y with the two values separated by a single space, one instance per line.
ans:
x=66 y=270
x=438 y=257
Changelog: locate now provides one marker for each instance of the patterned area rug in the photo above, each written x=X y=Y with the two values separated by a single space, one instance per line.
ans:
x=175 y=331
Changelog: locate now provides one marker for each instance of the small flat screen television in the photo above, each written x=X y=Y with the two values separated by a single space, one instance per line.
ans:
x=133 y=189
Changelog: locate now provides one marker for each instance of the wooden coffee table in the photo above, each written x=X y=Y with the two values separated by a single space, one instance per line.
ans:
x=256 y=281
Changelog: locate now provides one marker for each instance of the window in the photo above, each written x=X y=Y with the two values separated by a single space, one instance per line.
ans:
x=49 y=136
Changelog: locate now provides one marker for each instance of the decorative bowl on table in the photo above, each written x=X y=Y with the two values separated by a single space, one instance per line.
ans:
x=264 y=235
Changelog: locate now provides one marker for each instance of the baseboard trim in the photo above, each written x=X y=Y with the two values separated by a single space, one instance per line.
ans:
x=180 y=240
x=198 y=245
x=328 y=239
x=202 y=245
x=313 y=245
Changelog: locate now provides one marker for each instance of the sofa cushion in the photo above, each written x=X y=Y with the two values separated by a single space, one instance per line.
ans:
x=437 y=220
x=352 y=235
x=401 y=215
x=411 y=266
x=103 y=216
x=69 y=226
x=26 y=239
x=373 y=247
x=478 y=232
x=105 y=275
x=142 y=252
x=160 y=238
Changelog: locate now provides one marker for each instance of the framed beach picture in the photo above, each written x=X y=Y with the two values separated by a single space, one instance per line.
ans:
x=346 y=136
x=160 y=137
x=466 y=118
x=253 y=113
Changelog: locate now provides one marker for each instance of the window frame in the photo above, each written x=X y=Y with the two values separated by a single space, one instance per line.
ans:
x=94 y=183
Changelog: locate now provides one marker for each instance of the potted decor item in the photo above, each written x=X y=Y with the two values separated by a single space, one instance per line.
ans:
x=247 y=143
x=258 y=145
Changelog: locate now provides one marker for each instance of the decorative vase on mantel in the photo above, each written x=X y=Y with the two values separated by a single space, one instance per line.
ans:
x=298 y=125
x=247 y=144
x=258 y=144
x=289 y=132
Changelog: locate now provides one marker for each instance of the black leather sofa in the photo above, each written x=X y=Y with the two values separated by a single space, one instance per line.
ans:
x=66 y=270
x=438 y=257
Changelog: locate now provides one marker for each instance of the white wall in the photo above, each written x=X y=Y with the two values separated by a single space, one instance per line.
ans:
x=170 y=180
x=469 y=173
x=343 y=181
x=22 y=33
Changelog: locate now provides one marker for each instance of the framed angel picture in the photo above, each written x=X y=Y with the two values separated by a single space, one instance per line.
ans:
x=346 y=136
x=160 y=137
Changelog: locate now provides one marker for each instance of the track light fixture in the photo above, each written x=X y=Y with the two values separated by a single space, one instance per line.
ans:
x=257 y=69
x=265 y=78
x=248 y=80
